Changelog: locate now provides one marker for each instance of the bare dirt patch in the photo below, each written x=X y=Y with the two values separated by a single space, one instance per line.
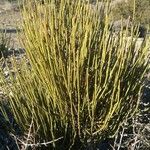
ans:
x=10 y=21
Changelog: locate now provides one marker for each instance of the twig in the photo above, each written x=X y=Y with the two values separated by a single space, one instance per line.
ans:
x=37 y=144
x=29 y=134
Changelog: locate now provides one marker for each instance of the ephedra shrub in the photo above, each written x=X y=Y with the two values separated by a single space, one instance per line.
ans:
x=81 y=81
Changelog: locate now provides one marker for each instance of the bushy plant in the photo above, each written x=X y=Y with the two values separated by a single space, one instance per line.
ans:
x=127 y=8
x=81 y=81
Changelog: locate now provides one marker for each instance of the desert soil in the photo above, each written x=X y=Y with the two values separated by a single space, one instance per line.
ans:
x=10 y=19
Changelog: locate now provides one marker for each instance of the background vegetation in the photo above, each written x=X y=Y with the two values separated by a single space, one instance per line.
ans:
x=126 y=10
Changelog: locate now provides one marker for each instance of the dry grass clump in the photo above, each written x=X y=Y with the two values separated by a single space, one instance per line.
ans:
x=82 y=80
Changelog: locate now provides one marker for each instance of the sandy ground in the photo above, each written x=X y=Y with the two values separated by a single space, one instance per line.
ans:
x=10 y=19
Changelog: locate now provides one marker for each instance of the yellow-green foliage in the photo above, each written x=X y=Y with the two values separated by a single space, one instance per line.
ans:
x=82 y=81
